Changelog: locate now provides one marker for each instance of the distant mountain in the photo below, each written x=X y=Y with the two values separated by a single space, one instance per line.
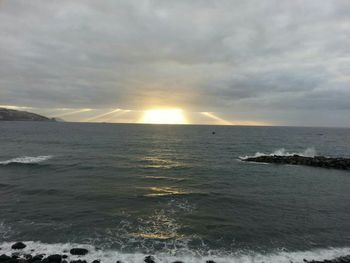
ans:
x=16 y=115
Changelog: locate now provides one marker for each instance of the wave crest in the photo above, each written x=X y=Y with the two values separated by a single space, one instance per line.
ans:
x=27 y=160
x=309 y=152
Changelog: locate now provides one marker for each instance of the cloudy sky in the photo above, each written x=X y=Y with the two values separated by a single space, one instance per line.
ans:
x=274 y=62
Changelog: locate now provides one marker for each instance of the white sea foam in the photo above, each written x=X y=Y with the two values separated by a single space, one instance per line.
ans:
x=111 y=256
x=27 y=160
x=309 y=152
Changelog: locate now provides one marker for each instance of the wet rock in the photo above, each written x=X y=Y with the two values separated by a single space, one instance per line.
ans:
x=28 y=257
x=4 y=258
x=210 y=261
x=78 y=261
x=149 y=259
x=344 y=259
x=177 y=262
x=64 y=261
x=22 y=260
x=18 y=245
x=56 y=258
x=64 y=256
x=97 y=261
x=79 y=251
x=317 y=161
x=15 y=255
x=38 y=257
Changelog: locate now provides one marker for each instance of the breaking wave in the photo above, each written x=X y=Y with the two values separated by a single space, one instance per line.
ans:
x=309 y=152
x=111 y=256
x=26 y=160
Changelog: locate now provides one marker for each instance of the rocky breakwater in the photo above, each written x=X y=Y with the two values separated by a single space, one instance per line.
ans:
x=317 y=161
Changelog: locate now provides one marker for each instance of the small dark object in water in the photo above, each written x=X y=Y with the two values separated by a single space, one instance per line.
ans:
x=149 y=259
x=213 y=132
x=210 y=261
x=18 y=245
x=97 y=261
x=79 y=251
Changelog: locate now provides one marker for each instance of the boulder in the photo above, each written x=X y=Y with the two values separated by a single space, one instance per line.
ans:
x=79 y=251
x=18 y=245
x=78 y=261
x=56 y=258
x=4 y=258
x=149 y=259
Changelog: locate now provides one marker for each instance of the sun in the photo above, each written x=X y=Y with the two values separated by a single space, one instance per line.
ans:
x=164 y=116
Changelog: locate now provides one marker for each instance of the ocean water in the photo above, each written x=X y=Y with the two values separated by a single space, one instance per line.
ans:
x=177 y=192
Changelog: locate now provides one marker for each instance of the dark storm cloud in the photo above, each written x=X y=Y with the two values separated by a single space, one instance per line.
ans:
x=245 y=57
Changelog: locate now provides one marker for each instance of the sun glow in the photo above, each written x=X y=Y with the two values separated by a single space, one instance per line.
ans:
x=164 y=116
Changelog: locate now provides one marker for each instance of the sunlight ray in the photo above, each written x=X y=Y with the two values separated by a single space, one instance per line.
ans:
x=101 y=116
x=73 y=112
x=214 y=117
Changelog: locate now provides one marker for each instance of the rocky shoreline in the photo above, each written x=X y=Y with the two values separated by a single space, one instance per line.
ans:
x=19 y=256
x=317 y=161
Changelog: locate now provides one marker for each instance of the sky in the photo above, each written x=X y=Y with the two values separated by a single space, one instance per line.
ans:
x=256 y=62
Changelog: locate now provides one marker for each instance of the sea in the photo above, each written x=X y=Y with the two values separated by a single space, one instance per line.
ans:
x=176 y=192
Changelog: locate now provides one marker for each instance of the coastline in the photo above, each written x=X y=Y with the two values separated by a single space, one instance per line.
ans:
x=36 y=252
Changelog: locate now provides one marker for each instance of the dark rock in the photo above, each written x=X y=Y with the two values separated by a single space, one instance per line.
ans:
x=56 y=258
x=15 y=255
x=210 y=261
x=177 y=262
x=64 y=256
x=18 y=245
x=38 y=257
x=344 y=259
x=7 y=259
x=119 y=261
x=317 y=161
x=78 y=261
x=64 y=261
x=28 y=257
x=4 y=258
x=97 y=261
x=22 y=260
x=79 y=251
x=149 y=259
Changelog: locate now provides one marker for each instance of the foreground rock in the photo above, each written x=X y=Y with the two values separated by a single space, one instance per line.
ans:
x=345 y=259
x=317 y=161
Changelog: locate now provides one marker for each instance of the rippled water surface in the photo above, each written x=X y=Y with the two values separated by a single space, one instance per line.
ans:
x=171 y=189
